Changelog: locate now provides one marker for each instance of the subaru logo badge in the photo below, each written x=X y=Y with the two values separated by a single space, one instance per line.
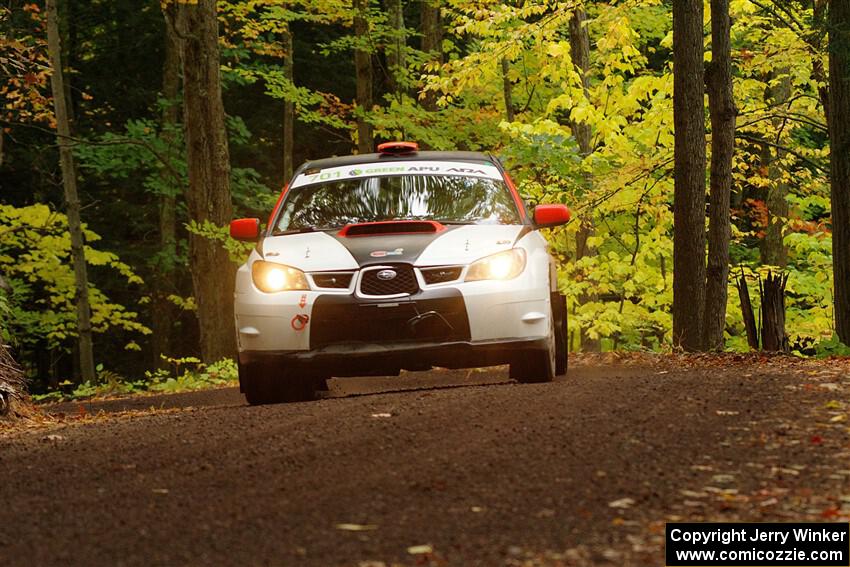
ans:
x=386 y=275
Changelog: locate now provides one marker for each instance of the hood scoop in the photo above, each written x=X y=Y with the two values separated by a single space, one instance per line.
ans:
x=391 y=227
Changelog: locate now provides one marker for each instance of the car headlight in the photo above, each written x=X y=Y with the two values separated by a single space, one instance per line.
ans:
x=502 y=266
x=271 y=278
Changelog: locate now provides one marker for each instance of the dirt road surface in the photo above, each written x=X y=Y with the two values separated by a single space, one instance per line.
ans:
x=439 y=468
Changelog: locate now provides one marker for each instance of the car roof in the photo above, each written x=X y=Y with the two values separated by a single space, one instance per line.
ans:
x=387 y=157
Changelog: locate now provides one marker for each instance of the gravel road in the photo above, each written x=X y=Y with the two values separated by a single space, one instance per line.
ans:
x=438 y=468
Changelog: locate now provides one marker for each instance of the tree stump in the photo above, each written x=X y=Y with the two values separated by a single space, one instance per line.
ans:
x=12 y=385
x=772 y=290
x=747 y=312
x=771 y=336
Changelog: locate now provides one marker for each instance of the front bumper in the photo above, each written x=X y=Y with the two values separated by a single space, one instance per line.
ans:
x=359 y=359
x=455 y=324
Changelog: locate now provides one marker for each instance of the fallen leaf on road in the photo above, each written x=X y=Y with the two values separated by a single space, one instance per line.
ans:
x=420 y=549
x=159 y=490
x=356 y=527
x=621 y=503
x=723 y=478
x=383 y=414
x=53 y=437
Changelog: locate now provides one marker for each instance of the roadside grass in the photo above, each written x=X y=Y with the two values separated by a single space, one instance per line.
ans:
x=182 y=375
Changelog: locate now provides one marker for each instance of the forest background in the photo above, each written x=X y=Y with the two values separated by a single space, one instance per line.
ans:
x=576 y=98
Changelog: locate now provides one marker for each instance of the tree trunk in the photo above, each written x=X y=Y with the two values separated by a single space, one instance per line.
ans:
x=396 y=60
x=772 y=248
x=580 y=54
x=432 y=41
x=747 y=312
x=722 y=110
x=507 y=90
x=363 y=69
x=208 y=196
x=772 y=289
x=68 y=38
x=839 y=141
x=72 y=200
x=819 y=11
x=288 y=108
x=689 y=176
x=162 y=310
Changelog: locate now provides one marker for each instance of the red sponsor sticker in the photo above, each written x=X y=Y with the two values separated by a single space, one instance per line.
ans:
x=303 y=301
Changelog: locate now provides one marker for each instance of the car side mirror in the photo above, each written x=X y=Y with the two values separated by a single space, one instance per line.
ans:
x=546 y=216
x=245 y=229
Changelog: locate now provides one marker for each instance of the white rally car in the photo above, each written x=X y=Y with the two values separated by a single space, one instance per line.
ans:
x=397 y=260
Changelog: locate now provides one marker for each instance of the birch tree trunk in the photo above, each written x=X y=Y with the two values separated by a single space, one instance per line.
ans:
x=722 y=110
x=72 y=200
x=208 y=195
x=689 y=175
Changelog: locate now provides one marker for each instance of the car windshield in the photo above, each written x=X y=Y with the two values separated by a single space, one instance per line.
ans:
x=443 y=198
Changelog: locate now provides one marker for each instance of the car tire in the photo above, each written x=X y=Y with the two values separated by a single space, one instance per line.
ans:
x=269 y=384
x=320 y=383
x=559 y=312
x=538 y=365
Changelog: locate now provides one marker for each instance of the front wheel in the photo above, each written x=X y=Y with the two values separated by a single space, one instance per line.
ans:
x=265 y=383
x=562 y=336
x=538 y=365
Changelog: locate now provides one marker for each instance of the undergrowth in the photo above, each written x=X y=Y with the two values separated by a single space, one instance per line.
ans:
x=182 y=375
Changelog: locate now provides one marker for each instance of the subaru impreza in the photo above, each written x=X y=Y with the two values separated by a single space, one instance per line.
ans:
x=399 y=260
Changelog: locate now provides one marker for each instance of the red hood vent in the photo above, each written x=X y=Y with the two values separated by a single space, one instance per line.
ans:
x=391 y=227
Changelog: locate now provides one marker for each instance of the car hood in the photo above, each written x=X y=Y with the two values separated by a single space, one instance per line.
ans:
x=323 y=251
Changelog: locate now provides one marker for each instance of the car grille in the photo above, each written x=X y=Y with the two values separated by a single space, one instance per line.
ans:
x=333 y=280
x=441 y=275
x=404 y=281
x=343 y=319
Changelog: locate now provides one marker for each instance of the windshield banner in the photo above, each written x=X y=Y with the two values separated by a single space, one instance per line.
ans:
x=464 y=169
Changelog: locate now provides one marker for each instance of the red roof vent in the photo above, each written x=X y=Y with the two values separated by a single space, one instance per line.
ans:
x=391 y=227
x=398 y=148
